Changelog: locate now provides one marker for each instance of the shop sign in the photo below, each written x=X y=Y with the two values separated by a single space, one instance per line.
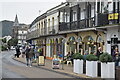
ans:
x=113 y=16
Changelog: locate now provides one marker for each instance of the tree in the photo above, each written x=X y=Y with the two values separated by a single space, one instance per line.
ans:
x=13 y=42
x=4 y=40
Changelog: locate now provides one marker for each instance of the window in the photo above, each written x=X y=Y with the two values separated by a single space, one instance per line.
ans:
x=18 y=37
x=92 y=13
x=19 y=32
x=25 y=32
x=83 y=14
x=66 y=17
x=48 y=25
x=74 y=16
x=48 y=22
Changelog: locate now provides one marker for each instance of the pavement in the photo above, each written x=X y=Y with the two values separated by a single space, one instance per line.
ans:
x=68 y=70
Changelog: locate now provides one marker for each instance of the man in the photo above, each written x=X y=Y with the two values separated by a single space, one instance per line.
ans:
x=28 y=56
x=17 y=51
x=99 y=52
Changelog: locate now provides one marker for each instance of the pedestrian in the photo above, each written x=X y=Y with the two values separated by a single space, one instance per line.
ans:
x=17 y=51
x=116 y=56
x=36 y=53
x=23 y=51
x=99 y=52
x=84 y=56
x=29 y=55
x=72 y=53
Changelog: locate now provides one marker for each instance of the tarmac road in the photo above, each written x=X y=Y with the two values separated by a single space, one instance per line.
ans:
x=14 y=69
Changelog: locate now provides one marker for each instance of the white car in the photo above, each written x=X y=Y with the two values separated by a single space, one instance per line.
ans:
x=13 y=47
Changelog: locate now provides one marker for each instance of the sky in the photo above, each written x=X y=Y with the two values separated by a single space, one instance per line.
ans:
x=26 y=10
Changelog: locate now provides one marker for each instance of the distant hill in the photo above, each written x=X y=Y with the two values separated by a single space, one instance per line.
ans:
x=6 y=27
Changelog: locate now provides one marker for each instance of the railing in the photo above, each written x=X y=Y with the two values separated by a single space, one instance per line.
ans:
x=82 y=24
x=32 y=34
x=74 y=25
x=64 y=26
x=85 y=23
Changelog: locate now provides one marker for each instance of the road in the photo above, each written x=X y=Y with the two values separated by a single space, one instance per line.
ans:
x=14 y=69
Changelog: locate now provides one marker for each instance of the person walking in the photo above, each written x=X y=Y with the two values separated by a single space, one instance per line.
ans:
x=17 y=51
x=36 y=53
x=29 y=55
x=116 y=56
x=23 y=51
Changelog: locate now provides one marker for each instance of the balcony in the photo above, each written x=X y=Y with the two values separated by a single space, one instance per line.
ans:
x=32 y=34
x=85 y=23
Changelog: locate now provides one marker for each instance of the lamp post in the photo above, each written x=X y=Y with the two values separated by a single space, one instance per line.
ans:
x=63 y=42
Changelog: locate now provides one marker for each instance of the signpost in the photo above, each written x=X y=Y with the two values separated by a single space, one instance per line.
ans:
x=63 y=42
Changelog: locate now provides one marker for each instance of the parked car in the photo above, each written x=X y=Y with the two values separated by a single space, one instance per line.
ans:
x=12 y=48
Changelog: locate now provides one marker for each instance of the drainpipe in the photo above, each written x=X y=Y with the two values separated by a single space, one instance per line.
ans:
x=96 y=15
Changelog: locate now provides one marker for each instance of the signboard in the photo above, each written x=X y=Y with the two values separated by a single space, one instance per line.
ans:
x=113 y=16
x=41 y=60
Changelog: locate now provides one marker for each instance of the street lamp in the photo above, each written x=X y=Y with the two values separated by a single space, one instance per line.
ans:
x=63 y=42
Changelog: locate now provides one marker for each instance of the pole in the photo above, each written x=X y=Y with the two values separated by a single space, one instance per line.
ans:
x=63 y=42
x=63 y=55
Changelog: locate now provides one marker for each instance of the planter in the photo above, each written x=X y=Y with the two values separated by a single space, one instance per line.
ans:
x=108 y=70
x=92 y=68
x=117 y=72
x=78 y=66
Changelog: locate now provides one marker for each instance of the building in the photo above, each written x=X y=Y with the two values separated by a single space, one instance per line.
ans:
x=22 y=33
x=80 y=27
x=53 y=44
x=43 y=31
x=37 y=32
x=89 y=25
x=15 y=28
x=19 y=31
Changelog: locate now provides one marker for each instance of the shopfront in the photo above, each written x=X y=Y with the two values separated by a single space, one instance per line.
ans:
x=113 y=39
x=90 y=41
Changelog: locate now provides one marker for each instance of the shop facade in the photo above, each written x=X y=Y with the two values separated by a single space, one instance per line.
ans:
x=84 y=42
x=54 y=46
x=113 y=39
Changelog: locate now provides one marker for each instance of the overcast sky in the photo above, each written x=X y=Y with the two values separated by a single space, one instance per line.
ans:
x=27 y=10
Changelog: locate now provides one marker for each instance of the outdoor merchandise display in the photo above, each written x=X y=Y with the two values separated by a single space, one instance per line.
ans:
x=55 y=63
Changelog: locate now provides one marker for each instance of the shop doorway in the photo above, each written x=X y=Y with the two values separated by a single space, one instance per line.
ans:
x=88 y=45
x=72 y=44
x=114 y=44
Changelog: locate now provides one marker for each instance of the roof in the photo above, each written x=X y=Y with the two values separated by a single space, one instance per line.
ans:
x=38 y=18
x=57 y=6
x=44 y=14
x=16 y=23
